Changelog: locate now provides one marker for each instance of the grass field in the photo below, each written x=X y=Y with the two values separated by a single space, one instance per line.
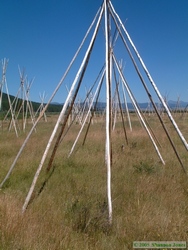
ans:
x=68 y=209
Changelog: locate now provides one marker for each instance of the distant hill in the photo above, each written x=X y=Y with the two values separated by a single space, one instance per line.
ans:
x=146 y=105
x=5 y=104
x=57 y=107
x=175 y=104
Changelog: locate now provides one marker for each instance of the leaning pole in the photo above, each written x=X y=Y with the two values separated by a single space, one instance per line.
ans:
x=62 y=114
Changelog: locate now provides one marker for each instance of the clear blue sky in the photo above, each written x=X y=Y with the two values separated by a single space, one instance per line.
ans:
x=42 y=37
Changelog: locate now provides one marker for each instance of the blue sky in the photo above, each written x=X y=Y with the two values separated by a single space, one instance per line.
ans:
x=42 y=37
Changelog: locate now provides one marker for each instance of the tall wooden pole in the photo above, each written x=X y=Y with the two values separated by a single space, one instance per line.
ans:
x=62 y=114
x=108 y=155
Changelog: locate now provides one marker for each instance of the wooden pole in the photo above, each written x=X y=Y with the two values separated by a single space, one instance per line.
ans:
x=120 y=106
x=108 y=155
x=29 y=107
x=126 y=107
x=5 y=63
x=61 y=116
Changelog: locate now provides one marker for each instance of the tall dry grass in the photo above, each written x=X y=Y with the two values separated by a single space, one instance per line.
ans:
x=68 y=209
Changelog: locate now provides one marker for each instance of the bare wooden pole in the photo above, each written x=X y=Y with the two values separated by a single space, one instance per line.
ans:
x=22 y=106
x=64 y=109
x=119 y=102
x=126 y=106
x=29 y=107
x=4 y=82
x=108 y=155
x=1 y=86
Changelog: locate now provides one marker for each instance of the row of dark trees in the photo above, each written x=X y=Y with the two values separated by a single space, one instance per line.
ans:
x=5 y=105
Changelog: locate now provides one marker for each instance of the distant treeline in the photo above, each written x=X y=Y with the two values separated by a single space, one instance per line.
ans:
x=5 y=104
x=100 y=107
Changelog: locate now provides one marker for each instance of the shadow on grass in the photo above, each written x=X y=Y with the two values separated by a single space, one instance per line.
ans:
x=145 y=167
x=87 y=220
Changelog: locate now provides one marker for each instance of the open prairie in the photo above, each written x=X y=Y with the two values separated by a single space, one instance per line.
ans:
x=68 y=209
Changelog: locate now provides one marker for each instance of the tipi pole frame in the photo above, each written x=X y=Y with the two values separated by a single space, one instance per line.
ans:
x=69 y=111
x=22 y=107
x=85 y=119
x=151 y=80
x=4 y=82
x=28 y=103
x=150 y=97
x=14 y=104
x=137 y=110
x=69 y=126
x=92 y=113
x=61 y=116
x=80 y=74
x=42 y=98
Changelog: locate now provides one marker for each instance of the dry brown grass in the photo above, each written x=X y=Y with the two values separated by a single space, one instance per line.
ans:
x=150 y=201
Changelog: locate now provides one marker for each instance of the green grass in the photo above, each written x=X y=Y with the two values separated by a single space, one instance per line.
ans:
x=68 y=209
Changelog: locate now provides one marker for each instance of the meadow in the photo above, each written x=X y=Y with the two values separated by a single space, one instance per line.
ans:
x=68 y=209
